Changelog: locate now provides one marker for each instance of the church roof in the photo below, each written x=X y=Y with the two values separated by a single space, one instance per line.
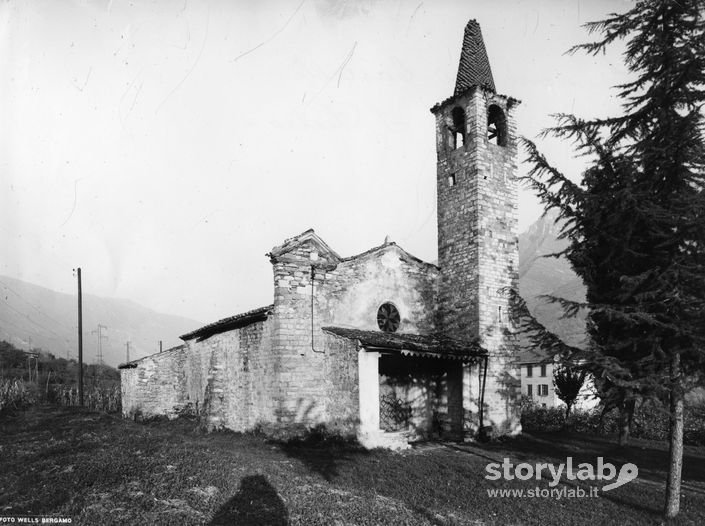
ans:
x=386 y=246
x=474 y=67
x=435 y=346
x=309 y=235
x=474 y=71
x=133 y=364
x=232 y=322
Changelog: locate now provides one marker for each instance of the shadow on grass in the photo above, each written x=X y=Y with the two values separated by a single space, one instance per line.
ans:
x=323 y=455
x=255 y=503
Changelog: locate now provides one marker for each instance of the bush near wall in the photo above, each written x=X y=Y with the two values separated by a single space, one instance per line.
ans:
x=650 y=421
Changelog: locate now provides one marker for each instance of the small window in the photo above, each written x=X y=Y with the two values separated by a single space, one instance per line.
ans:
x=529 y=371
x=543 y=390
x=451 y=180
x=388 y=318
x=496 y=126
x=543 y=370
x=530 y=391
x=458 y=128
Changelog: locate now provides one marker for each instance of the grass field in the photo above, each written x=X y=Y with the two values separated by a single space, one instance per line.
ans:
x=100 y=469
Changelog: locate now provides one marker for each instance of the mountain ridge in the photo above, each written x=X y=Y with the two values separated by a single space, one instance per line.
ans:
x=32 y=316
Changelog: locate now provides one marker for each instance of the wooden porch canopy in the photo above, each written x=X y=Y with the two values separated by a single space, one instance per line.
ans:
x=431 y=346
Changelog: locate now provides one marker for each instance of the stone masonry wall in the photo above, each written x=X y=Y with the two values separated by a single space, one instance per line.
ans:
x=154 y=386
x=345 y=293
x=341 y=385
x=219 y=378
x=224 y=375
x=478 y=243
x=498 y=245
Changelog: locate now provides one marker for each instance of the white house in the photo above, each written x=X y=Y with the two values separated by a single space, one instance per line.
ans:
x=537 y=382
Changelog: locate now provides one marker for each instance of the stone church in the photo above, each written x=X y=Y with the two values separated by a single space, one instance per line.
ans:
x=380 y=345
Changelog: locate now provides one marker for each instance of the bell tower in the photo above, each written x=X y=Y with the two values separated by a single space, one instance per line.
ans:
x=477 y=205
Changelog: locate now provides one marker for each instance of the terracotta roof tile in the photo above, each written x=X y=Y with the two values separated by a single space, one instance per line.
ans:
x=226 y=324
x=425 y=345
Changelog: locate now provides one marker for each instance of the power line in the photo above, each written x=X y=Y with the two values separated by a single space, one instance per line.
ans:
x=38 y=309
x=47 y=329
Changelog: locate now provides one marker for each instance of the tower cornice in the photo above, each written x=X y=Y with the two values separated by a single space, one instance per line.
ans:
x=511 y=101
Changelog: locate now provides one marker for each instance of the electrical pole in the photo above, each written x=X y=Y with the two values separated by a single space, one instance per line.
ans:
x=127 y=346
x=80 y=340
x=99 y=332
x=160 y=346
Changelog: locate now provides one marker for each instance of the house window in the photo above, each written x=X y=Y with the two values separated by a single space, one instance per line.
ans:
x=543 y=370
x=543 y=390
x=530 y=391
x=496 y=126
x=451 y=180
x=529 y=371
x=388 y=318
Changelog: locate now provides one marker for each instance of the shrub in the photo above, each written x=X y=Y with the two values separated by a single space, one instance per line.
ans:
x=535 y=418
x=650 y=421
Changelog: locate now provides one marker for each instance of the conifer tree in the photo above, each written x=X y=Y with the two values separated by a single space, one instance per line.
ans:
x=636 y=221
x=568 y=381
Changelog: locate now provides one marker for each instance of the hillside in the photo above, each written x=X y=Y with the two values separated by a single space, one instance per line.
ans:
x=548 y=275
x=33 y=316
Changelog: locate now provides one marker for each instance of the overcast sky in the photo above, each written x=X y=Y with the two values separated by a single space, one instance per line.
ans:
x=166 y=146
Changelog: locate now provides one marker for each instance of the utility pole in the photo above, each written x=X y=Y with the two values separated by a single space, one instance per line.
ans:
x=80 y=340
x=160 y=346
x=99 y=332
x=127 y=346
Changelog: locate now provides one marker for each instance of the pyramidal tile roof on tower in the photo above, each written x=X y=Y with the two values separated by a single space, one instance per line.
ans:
x=474 y=68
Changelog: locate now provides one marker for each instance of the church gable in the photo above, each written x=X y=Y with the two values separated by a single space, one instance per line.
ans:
x=386 y=275
x=306 y=246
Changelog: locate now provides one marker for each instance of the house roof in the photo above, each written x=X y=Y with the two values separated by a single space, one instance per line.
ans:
x=529 y=357
x=435 y=346
x=232 y=322
x=474 y=67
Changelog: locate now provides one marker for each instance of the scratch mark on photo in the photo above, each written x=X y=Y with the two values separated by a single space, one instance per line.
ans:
x=75 y=200
x=338 y=72
x=190 y=70
x=411 y=18
x=276 y=33
x=345 y=63
x=88 y=76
